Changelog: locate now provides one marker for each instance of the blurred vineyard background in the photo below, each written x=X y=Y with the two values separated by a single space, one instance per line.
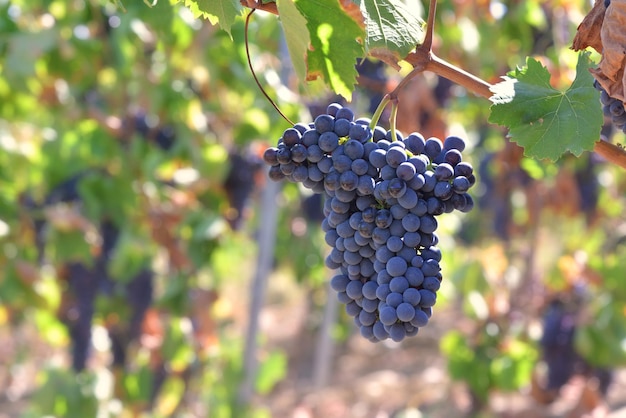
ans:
x=149 y=268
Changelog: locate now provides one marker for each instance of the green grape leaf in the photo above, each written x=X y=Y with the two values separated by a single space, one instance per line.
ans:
x=298 y=40
x=222 y=12
x=393 y=28
x=545 y=121
x=336 y=43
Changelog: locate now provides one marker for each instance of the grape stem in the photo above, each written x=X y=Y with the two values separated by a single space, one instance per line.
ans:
x=379 y=111
x=392 y=119
x=256 y=79
x=423 y=59
x=259 y=5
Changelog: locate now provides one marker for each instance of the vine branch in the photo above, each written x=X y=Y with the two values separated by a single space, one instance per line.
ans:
x=259 y=5
x=423 y=59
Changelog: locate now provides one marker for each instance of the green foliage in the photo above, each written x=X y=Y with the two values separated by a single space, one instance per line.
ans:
x=487 y=363
x=336 y=41
x=297 y=40
x=65 y=394
x=392 y=27
x=223 y=12
x=543 y=120
x=73 y=80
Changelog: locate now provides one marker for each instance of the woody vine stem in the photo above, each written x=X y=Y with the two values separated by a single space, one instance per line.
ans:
x=423 y=59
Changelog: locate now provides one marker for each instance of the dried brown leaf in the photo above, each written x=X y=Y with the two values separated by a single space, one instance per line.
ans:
x=386 y=56
x=610 y=73
x=588 y=32
x=354 y=11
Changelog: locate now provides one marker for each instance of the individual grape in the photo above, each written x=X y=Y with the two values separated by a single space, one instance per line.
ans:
x=431 y=283
x=428 y=224
x=433 y=147
x=342 y=127
x=325 y=164
x=412 y=296
x=344 y=113
x=291 y=137
x=380 y=235
x=414 y=276
x=460 y=184
x=397 y=332
x=315 y=174
x=444 y=171
x=616 y=108
x=310 y=137
x=343 y=298
x=411 y=239
x=396 y=229
x=452 y=157
x=398 y=284
x=431 y=253
x=378 y=158
x=328 y=141
x=393 y=299
x=428 y=298
x=287 y=169
x=379 y=134
x=415 y=143
x=300 y=173
x=405 y=311
x=348 y=180
x=379 y=331
x=443 y=190
x=420 y=162
x=383 y=218
x=454 y=143
x=469 y=204
x=420 y=319
x=354 y=289
x=406 y=171
x=409 y=199
x=359 y=132
x=359 y=166
x=387 y=173
x=283 y=155
x=395 y=156
x=353 y=149
x=352 y=308
x=411 y=222
x=270 y=156
x=397 y=187
x=370 y=305
x=369 y=289
x=367 y=318
x=429 y=182
x=339 y=282
x=398 y=212
x=333 y=108
x=464 y=169
x=388 y=315
x=275 y=173
x=324 y=123
x=396 y=266
x=394 y=244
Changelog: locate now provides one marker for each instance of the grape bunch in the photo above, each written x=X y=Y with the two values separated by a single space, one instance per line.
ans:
x=383 y=194
x=613 y=108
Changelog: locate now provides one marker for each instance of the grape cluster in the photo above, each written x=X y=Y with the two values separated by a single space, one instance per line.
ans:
x=613 y=108
x=382 y=198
